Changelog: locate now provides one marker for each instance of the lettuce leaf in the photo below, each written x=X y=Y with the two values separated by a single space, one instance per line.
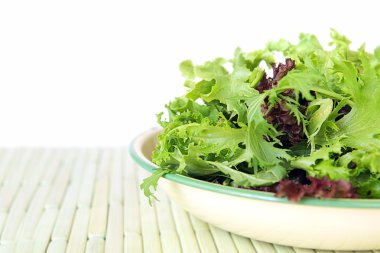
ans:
x=240 y=126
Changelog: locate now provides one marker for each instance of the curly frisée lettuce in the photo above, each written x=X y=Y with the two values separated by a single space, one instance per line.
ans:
x=309 y=128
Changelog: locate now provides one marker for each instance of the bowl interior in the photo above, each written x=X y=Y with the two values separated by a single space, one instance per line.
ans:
x=147 y=147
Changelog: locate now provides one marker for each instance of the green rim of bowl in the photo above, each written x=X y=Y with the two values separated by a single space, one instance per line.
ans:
x=252 y=194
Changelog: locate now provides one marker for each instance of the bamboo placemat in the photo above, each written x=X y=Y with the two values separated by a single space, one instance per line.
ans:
x=87 y=200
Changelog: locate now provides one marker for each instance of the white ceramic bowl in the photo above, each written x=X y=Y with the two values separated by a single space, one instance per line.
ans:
x=333 y=224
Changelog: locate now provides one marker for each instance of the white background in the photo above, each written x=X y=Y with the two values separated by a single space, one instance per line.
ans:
x=76 y=73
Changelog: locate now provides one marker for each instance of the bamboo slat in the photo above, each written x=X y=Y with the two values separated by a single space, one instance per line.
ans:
x=95 y=245
x=149 y=226
x=12 y=223
x=11 y=182
x=133 y=243
x=32 y=216
x=3 y=217
x=88 y=181
x=78 y=236
x=66 y=214
x=243 y=244
x=7 y=194
x=24 y=246
x=20 y=161
x=99 y=208
x=203 y=234
x=263 y=247
x=132 y=224
x=114 y=237
x=7 y=248
x=7 y=157
x=44 y=229
x=116 y=188
x=67 y=210
x=283 y=249
x=223 y=240
x=57 y=246
x=166 y=225
x=57 y=164
x=62 y=169
x=185 y=230
x=298 y=250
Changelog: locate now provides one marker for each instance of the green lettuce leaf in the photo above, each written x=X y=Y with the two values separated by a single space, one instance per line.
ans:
x=227 y=130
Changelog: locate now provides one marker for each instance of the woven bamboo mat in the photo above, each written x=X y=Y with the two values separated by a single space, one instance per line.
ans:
x=87 y=200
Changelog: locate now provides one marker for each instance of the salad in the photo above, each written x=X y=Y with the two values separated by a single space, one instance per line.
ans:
x=306 y=125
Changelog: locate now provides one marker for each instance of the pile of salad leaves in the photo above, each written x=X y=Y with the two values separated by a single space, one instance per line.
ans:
x=309 y=128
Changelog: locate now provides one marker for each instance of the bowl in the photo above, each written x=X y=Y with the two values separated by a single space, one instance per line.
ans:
x=329 y=224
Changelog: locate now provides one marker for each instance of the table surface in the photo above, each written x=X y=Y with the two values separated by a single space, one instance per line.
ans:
x=87 y=200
